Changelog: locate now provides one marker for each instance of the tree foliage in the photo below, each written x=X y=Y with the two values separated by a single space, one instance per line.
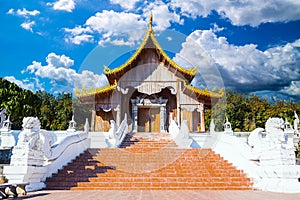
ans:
x=247 y=112
x=54 y=112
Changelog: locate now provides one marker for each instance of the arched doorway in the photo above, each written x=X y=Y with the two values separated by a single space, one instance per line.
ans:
x=151 y=113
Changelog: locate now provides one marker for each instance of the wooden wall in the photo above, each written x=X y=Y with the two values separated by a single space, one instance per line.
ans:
x=193 y=119
x=103 y=120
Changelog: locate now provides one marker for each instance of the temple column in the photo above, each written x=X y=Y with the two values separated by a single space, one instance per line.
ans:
x=162 y=118
x=202 y=120
x=118 y=115
x=93 y=119
x=134 y=116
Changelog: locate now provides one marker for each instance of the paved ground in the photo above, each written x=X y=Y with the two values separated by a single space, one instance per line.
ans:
x=158 y=195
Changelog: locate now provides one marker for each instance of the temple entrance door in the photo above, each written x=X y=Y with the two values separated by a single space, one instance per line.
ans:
x=149 y=119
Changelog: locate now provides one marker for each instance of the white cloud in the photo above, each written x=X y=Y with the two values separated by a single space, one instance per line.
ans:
x=121 y=28
x=64 y=5
x=63 y=78
x=10 y=11
x=23 y=13
x=28 y=25
x=117 y=28
x=59 y=61
x=128 y=4
x=252 y=12
x=79 y=35
x=241 y=67
x=79 y=39
x=293 y=89
x=27 y=84
x=163 y=16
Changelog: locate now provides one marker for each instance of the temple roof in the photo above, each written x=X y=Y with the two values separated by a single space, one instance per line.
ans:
x=113 y=75
x=105 y=90
x=210 y=97
x=149 y=39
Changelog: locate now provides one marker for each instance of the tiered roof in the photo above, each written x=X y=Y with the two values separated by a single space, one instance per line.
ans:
x=149 y=41
x=116 y=73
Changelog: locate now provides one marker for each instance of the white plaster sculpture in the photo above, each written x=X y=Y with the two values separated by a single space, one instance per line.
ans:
x=35 y=156
x=212 y=126
x=288 y=130
x=33 y=144
x=296 y=122
x=72 y=125
x=112 y=130
x=173 y=129
x=117 y=135
x=7 y=136
x=3 y=117
x=6 y=127
x=183 y=139
x=275 y=148
x=227 y=127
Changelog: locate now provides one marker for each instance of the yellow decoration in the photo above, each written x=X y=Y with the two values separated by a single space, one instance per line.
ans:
x=150 y=33
x=106 y=70
x=95 y=91
x=202 y=92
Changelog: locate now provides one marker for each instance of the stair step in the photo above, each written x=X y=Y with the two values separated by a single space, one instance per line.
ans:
x=150 y=164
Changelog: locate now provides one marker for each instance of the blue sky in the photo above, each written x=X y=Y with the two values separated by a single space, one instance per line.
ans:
x=56 y=45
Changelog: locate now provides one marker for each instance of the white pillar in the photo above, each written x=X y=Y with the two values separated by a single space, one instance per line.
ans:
x=162 y=118
x=93 y=119
x=118 y=115
x=202 y=120
x=134 y=116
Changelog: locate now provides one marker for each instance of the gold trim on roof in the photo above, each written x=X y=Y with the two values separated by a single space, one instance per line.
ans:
x=150 y=33
x=203 y=92
x=191 y=71
x=101 y=90
x=109 y=71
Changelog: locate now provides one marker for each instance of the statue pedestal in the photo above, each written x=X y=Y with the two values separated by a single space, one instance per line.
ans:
x=278 y=157
x=23 y=156
x=33 y=175
x=26 y=166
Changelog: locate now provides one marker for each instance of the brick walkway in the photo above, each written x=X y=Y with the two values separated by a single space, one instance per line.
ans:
x=148 y=194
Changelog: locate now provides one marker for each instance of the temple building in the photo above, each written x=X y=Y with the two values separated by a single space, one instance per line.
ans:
x=152 y=90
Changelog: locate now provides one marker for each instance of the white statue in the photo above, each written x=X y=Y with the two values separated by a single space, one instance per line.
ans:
x=212 y=126
x=30 y=134
x=275 y=148
x=6 y=126
x=288 y=130
x=112 y=130
x=86 y=126
x=3 y=117
x=296 y=122
x=227 y=127
x=72 y=125
x=32 y=138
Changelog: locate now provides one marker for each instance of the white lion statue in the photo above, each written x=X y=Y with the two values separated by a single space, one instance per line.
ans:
x=33 y=137
x=272 y=146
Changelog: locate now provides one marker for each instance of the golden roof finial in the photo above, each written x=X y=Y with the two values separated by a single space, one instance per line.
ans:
x=151 y=19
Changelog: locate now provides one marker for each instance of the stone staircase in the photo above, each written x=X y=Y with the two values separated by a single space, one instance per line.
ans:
x=149 y=162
